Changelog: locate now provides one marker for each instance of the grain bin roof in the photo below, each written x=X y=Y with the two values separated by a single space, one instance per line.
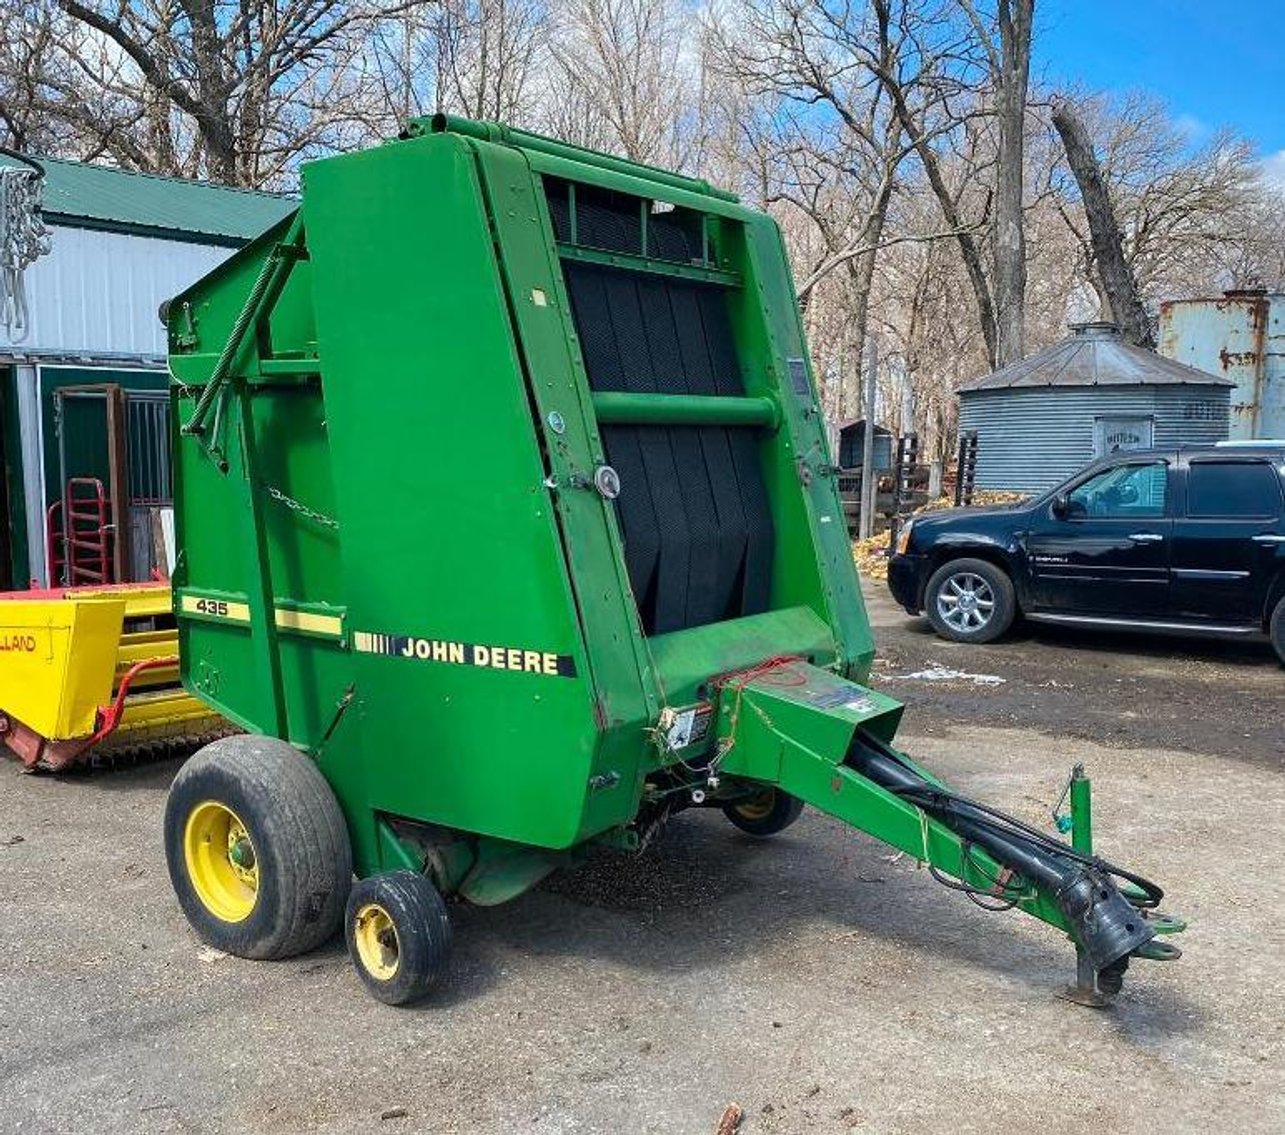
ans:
x=101 y=197
x=1094 y=355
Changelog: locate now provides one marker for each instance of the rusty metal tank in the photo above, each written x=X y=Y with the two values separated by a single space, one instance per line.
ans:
x=1240 y=336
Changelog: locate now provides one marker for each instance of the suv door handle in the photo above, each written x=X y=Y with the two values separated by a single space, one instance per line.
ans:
x=1268 y=538
x=1145 y=537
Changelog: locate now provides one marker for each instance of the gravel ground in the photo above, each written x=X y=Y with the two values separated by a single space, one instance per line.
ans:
x=818 y=982
x=1195 y=695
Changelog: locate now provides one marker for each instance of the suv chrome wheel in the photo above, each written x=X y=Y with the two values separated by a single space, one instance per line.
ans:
x=969 y=600
x=965 y=602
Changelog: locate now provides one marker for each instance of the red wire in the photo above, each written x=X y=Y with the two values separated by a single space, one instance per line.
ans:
x=739 y=679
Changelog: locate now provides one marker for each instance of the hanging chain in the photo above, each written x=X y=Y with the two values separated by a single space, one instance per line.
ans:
x=302 y=509
x=23 y=240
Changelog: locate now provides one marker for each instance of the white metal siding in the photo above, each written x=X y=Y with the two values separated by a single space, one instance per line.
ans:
x=1032 y=438
x=27 y=386
x=97 y=293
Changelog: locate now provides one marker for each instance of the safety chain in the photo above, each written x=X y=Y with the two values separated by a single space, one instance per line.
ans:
x=302 y=509
x=23 y=240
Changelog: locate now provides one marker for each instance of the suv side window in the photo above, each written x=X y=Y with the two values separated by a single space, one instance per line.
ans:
x=1125 y=492
x=1233 y=489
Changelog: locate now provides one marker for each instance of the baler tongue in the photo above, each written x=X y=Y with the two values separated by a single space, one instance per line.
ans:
x=827 y=741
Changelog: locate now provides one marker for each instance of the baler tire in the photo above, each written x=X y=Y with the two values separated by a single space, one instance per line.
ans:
x=399 y=936
x=999 y=592
x=300 y=852
x=1277 y=630
x=756 y=819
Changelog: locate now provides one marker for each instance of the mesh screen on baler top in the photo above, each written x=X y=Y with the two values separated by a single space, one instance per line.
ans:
x=693 y=507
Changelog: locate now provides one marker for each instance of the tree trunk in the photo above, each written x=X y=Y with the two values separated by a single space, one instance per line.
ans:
x=862 y=270
x=1009 y=238
x=968 y=246
x=1117 y=277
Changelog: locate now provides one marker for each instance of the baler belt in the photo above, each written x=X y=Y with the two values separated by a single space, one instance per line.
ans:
x=694 y=513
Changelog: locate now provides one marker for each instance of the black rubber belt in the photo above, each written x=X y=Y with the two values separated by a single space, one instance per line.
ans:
x=694 y=511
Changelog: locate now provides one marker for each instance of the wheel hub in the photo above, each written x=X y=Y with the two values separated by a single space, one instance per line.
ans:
x=221 y=862
x=966 y=601
x=758 y=807
x=241 y=853
x=375 y=938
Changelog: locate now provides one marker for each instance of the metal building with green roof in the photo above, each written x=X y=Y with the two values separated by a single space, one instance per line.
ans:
x=81 y=348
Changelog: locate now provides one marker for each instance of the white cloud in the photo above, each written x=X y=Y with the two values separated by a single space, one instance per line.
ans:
x=1274 y=169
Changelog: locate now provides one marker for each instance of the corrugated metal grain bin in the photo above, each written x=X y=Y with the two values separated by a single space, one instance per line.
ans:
x=1041 y=419
x=1240 y=337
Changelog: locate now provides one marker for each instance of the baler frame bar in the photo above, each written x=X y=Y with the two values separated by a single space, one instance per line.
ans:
x=250 y=326
x=648 y=265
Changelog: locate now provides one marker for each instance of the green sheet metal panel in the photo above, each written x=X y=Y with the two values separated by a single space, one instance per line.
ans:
x=448 y=537
x=819 y=572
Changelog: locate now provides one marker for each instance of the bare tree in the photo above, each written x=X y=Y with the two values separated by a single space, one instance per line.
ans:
x=827 y=141
x=486 y=52
x=920 y=192
x=228 y=90
x=1253 y=252
x=1118 y=283
x=618 y=79
x=1010 y=65
x=62 y=90
x=935 y=100
x=26 y=38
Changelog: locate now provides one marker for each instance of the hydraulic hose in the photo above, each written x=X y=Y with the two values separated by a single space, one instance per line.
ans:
x=1106 y=925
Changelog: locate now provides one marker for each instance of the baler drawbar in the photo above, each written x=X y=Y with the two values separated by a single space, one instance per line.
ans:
x=508 y=528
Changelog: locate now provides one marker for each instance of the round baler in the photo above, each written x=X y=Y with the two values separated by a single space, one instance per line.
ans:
x=508 y=527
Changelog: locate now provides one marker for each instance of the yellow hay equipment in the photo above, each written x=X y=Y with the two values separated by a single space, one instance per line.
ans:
x=93 y=672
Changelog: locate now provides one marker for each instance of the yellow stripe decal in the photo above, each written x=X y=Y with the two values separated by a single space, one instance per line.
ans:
x=308 y=621
x=287 y=619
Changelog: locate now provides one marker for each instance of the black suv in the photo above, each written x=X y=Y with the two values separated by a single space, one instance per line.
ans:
x=1170 y=540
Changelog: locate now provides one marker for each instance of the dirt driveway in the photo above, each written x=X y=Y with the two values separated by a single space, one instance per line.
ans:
x=1201 y=696
x=817 y=981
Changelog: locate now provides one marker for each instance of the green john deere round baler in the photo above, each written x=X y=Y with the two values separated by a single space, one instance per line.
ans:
x=508 y=527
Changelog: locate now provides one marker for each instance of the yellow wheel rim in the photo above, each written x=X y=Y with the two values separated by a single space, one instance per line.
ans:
x=757 y=807
x=221 y=861
x=376 y=940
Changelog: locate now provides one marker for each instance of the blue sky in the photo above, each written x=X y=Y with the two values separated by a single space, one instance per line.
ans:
x=1214 y=65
